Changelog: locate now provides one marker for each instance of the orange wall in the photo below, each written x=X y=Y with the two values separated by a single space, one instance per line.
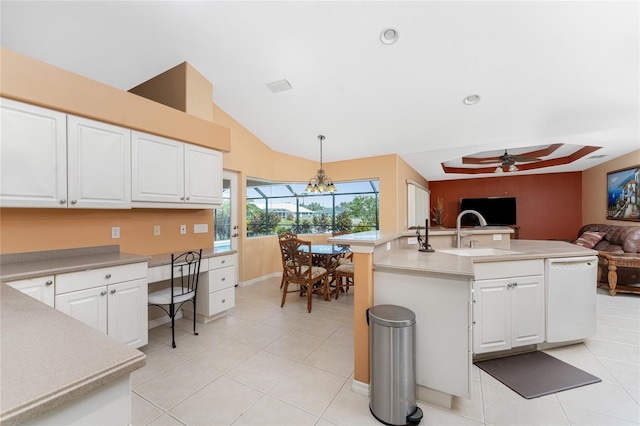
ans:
x=548 y=206
x=28 y=80
x=252 y=158
x=23 y=230
x=594 y=189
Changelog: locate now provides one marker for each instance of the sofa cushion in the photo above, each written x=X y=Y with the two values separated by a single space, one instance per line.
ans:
x=625 y=237
x=589 y=239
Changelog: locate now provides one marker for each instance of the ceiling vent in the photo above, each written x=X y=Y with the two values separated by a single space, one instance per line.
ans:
x=279 y=86
x=595 y=157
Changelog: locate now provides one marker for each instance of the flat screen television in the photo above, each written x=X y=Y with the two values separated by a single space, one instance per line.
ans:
x=496 y=210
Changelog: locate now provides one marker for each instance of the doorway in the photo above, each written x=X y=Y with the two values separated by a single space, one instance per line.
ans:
x=225 y=218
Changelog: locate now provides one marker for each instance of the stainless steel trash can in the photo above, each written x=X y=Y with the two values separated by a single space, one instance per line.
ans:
x=392 y=381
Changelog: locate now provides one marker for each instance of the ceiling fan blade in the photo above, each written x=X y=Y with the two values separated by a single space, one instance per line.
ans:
x=524 y=159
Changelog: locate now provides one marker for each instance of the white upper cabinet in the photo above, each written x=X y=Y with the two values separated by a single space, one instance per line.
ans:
x=203 y=175
x=33 y=156
x=53 y=160
x=99 y=165
x=168 y=173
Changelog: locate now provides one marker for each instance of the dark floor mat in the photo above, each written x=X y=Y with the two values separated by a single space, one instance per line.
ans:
x=536 y=374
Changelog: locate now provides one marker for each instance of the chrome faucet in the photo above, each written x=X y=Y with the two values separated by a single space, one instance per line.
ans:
x=459 y=234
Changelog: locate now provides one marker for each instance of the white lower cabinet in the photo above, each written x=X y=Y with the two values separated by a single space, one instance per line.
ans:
x=111 y=300
x=217 y=292
x=40 y=288
x=507 y=313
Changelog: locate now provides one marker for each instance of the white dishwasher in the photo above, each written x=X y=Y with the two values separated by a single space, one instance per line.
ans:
x=570 y=298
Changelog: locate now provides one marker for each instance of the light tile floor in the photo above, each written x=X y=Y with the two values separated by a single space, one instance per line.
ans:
x=263 y=365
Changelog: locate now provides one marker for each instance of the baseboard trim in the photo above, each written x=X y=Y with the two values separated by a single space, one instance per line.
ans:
x=162 y=320
x=360 y=388
x=259 y=279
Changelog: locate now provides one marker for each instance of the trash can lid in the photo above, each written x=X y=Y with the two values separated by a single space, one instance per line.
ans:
x=392 y=316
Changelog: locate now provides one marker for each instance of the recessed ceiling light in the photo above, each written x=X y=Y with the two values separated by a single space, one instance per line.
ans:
x=471 y=99
x=389 y=36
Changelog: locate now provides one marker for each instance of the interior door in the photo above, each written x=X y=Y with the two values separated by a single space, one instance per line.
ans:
x=226 y=217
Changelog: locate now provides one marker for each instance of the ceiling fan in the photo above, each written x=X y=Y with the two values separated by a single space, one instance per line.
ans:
x=508 y=160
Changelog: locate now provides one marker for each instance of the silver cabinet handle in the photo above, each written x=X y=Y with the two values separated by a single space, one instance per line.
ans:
x=113 y=290
x=224 y=300
x=103 y=292
x=223 y=278
x=63 y=201
x=49 y=282
x=182 y=198
x=188 y=198
x=108 y=276
x=74 y=201
x=223 y=261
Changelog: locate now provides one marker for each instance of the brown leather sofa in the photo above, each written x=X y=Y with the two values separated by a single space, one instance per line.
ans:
x=618 y=257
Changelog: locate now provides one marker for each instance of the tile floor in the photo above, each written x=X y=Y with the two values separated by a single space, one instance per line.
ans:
x=263 y=365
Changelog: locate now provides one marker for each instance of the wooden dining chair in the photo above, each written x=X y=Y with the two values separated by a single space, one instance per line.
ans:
x=343 y=272
x=185 y=269
x=285 y=236
x=299 y=270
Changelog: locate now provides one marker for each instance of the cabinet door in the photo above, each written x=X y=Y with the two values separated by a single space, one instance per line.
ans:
x=127 y=312
x=99 y=160
x=157 y=169
x=88 y=306
x=40 y=288
x=203 y=175
x=527 y=310
x=491 y=316
x=33 y=156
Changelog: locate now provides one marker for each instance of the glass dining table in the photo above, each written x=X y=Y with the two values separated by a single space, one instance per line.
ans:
x=327 y=255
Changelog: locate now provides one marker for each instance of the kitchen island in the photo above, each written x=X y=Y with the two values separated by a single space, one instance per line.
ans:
x=390 y=269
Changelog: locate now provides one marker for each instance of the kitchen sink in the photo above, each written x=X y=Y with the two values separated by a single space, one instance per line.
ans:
x=478 y=251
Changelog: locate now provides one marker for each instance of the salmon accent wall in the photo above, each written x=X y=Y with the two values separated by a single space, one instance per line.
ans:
x=183 y=88
x=21 y=230
x=32 y=81
x=594 y=189
x=24 y=230
x=549 y=206
x=250 y=157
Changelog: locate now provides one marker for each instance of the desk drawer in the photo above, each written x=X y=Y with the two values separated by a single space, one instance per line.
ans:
x=221 y=300
x=222 y=278
x=222 y=261
x=91 y=278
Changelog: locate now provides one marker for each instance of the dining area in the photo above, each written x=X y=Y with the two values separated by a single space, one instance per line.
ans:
x=324 y=270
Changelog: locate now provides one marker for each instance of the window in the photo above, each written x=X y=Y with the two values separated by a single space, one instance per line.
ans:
x=274 y=208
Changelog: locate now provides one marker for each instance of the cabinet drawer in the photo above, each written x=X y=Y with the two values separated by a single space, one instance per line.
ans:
x=40 y=288
x=81 y=280
x=219 y=279
x=222 y=261
x=221 y=300
x=508 y=269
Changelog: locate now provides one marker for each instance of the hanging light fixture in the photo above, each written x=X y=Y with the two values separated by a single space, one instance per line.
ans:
x=320 y=182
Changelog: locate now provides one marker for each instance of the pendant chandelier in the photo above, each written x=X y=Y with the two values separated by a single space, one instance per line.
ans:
x=320 y=182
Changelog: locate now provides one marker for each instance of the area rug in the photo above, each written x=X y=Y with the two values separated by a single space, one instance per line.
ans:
x=535 y=374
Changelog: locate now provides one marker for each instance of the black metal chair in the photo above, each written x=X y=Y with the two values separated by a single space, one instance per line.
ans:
x=185 y=269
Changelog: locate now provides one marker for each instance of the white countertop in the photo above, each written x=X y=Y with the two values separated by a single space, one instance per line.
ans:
x=49 y=358
x=438 y=262
x=18 y=266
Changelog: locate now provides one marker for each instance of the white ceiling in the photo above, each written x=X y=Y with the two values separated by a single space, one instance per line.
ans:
x=547 y=72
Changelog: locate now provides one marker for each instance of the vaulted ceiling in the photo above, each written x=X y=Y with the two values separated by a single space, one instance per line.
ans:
x=546 y=73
